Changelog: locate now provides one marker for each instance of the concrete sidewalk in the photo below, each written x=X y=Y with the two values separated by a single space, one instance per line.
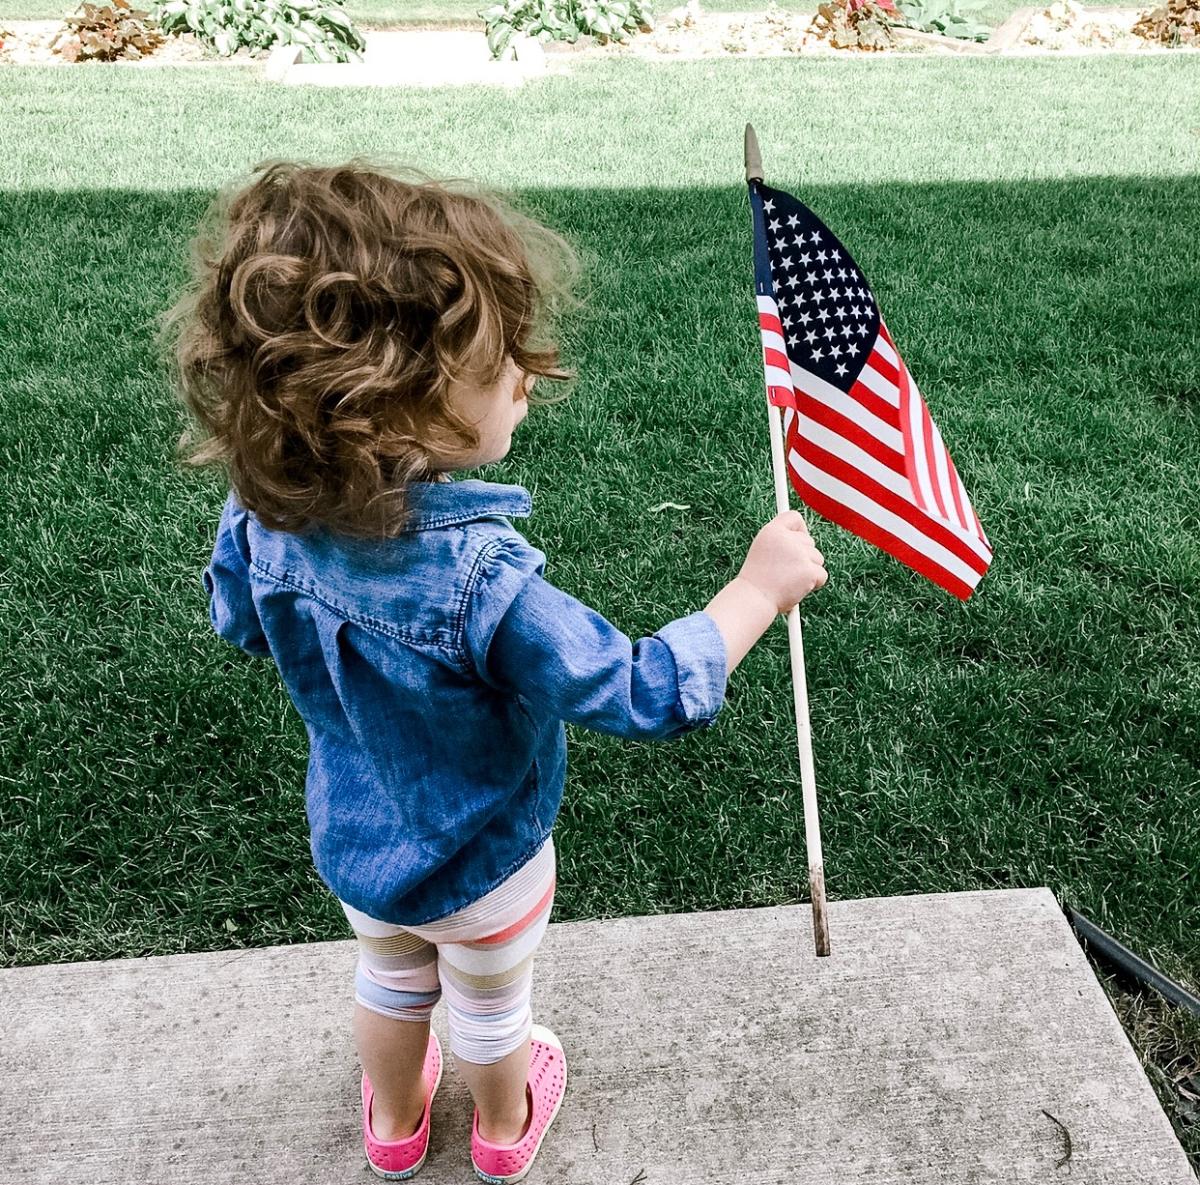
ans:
x=950 y=1038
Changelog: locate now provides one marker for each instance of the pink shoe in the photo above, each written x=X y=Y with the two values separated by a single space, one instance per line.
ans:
x=501 y=1164
x=399 y=1159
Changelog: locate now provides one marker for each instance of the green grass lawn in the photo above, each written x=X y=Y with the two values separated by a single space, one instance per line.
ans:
x=1028 y=228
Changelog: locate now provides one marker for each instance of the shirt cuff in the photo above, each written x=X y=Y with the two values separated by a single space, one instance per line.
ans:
x=698 y=649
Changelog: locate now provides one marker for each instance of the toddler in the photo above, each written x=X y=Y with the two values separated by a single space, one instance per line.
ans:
x=351 y=339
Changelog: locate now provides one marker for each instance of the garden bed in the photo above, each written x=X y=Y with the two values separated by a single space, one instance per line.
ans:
x=412 y=55
x=28 y=44
x=1060 y=28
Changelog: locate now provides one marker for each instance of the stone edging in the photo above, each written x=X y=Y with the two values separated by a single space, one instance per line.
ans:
x=1010 y=31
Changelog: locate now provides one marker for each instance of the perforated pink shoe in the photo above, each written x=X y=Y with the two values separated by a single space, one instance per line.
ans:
x=397 y=1160
x=501 y=1164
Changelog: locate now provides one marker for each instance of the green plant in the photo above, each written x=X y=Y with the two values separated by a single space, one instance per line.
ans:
x=945 y=16
x=564 y=20
x=323 y=30
x=856 y=24
x=106 y=32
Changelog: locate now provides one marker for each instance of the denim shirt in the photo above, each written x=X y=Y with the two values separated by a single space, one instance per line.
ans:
x=433 y=672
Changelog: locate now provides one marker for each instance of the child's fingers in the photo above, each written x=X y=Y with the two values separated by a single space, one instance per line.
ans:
x=793 y=520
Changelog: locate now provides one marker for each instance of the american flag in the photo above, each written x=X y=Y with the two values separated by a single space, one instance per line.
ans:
x=860 y=445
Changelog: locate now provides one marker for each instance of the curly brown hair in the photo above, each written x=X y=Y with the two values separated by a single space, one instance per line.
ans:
x=328 y=313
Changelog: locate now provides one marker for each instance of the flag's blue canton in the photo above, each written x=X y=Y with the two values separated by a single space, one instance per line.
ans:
x=830 y=318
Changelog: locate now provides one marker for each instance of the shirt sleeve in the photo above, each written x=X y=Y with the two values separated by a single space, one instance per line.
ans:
x=526 y=636
x=227 y=582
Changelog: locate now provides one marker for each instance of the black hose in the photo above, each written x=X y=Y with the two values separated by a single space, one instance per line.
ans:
x=1121 y=957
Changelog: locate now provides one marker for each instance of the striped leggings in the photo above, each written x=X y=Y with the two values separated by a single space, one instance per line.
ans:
x=481 y=957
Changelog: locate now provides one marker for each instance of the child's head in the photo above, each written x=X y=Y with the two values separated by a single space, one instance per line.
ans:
x=347 y=331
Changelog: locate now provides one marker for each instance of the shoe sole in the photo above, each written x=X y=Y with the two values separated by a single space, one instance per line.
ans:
x=537 y=1033
x=404 y=1174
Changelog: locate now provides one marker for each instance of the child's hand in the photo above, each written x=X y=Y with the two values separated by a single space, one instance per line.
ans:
x=782 y=567
x=783 y=563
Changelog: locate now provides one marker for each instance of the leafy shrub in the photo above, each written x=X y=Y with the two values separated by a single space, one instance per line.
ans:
x=945 y=16
x=1175 y=23
x=106 y=32
x=857 y=24
x=324 y=30
x=564 y=20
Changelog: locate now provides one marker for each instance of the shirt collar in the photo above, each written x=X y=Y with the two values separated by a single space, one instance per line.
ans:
x=445 y=503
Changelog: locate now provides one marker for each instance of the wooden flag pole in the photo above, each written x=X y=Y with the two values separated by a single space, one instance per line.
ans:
x=812 y=823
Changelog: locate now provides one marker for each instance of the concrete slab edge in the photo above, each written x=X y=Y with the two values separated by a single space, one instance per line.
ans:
x=1040 y=896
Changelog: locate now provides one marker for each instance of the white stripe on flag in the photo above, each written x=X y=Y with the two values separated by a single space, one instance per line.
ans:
x=839 y=401
x=874 y=381
x=968 y=509
x=920 y=462
x=778 y=377
x=772 y=341
x=942 y=459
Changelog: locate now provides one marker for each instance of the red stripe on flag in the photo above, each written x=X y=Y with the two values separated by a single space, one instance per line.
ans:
x=866 y=485
x=843 y=516
x=875 y=404
x=910 y=451
x=955 y=488
x=775 y=358
x=931 y=451
x=770 y=321
x=845 y=427
x=876 y=361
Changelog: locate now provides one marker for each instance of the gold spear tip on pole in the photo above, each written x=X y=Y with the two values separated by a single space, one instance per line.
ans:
x=753 y=158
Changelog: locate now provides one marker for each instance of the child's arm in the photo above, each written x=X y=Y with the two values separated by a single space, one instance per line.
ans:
x=567 y=661
x=227 y=582
x=529 y=638
x=742 y=612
